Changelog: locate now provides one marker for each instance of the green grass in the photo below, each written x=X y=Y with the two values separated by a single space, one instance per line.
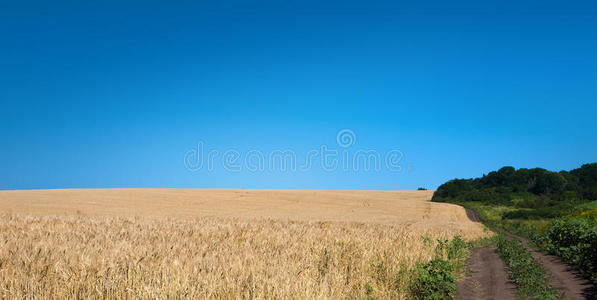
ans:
x=436 y=279
x=528 y=274
x=490 y=214
x=589 y=205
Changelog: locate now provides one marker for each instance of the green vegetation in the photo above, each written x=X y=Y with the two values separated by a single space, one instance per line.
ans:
x=557 y=211
x=436 y=279
x=525 y=188
x=575 y=240
x=368 y=292
x=528 y=275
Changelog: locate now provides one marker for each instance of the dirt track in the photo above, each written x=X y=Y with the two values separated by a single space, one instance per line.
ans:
x=562 y=276
x=487 y=280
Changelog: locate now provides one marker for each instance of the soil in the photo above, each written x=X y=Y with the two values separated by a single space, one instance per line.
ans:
x=489 y=279
x=570 y=282
x=489 y=275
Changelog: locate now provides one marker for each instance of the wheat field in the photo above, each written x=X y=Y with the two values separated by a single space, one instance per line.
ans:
x=220 y=244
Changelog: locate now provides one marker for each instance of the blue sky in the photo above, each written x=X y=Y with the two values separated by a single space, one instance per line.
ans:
x=98 y=95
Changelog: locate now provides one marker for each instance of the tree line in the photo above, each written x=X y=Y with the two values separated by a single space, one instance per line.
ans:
x=528 y=188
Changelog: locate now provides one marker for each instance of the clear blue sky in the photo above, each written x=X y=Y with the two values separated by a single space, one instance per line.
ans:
x=115 y=94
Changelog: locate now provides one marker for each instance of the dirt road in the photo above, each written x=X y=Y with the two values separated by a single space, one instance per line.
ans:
x=562 y=276
x=489 y=279
x=489 y=276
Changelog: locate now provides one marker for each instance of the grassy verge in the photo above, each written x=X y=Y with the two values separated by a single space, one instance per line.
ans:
x=572 y=238
x=528 y=275
x=436 y=279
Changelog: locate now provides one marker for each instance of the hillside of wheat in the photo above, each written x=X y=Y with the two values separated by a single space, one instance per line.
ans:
x=174 y=243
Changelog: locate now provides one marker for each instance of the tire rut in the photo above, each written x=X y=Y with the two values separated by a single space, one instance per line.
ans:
x=489 y=275
x=570 y=282
x=489 y=278
x=562 y=275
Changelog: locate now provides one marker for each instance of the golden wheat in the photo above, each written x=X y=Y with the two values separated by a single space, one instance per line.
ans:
x=102 y=256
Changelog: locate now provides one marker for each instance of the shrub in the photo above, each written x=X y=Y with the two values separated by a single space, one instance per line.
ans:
x=434 y=280
x=576 y=242
x=454 y=251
